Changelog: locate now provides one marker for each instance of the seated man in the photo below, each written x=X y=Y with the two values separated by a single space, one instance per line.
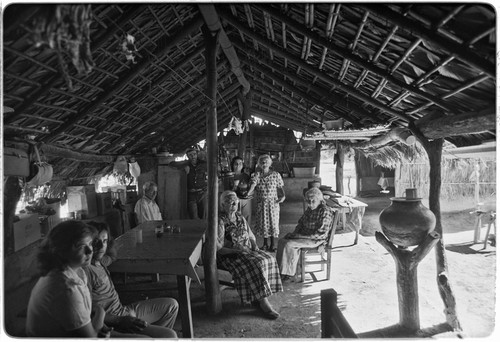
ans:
x=147 y=318
x=146 y=208
x=311 y=231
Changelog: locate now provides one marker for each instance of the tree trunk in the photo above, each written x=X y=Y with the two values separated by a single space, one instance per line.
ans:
x=434 y=151
x=406 y=276
x=212 y=291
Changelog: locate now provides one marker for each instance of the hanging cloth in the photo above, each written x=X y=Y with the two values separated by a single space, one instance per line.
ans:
x=42 y=172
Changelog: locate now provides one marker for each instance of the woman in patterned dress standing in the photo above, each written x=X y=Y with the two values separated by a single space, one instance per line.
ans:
x=255 y=273
x=269 y=193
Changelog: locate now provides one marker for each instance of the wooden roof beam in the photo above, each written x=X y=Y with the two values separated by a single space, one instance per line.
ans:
x=211 y=19
x=333 y=15
x=327 y=95
x=162 y=131
x=336 y=83
x=145 y=91
x=278 y=120
x=469 y=84
x=460 y=51
x=163 y=45
x=282 y=101
x=52 y=80
x=297 y=117
x=345 y=53
x=291 y=101
x=459 y=124
x=158 y=109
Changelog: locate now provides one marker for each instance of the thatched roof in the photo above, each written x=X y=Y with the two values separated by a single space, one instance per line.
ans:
x=87 y=94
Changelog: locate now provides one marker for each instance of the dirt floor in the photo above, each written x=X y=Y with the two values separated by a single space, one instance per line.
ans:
x=364 y=277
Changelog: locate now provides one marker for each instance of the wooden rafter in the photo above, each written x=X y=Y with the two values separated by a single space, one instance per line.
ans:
x=145 y=92
x=285 y=54
x=163 y=47
x=464 y=123
x=459 y=51
x=345 y=53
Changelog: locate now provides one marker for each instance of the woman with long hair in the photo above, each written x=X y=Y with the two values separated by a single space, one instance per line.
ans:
x=60 y=304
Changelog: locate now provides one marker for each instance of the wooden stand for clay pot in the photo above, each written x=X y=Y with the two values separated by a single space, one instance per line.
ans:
x=406 y=276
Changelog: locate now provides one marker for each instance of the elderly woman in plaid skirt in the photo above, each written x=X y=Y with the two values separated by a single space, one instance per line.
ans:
x=255 y=272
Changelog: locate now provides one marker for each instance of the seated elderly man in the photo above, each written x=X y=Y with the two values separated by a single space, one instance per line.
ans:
x=146 y=208
x=311 y=231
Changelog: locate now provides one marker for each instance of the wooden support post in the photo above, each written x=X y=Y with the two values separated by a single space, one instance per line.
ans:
x=406 y=277
x=434 y=151
x=212 y=291
x=11 y=195
x=339 y=170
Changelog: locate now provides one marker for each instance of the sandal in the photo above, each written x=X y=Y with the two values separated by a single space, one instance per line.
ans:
x=272 y=249
x=264 y=248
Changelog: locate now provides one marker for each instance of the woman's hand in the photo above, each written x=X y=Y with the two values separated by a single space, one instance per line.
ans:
x=280 y=199
x=130 y=324
x=254 y=245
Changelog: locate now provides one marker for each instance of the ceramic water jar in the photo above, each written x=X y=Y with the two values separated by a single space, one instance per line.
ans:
x=406 y=222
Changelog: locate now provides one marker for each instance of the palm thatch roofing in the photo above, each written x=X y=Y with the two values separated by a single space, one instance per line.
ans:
x=88 y=82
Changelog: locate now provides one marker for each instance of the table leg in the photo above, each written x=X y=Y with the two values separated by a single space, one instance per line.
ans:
x=183 y=283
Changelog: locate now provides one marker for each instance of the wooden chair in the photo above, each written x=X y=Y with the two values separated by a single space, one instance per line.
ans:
x=323 y=251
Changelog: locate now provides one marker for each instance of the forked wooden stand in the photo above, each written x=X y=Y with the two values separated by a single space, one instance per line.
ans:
x=406 y=276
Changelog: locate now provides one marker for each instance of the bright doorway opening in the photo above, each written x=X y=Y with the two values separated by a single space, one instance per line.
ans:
x=327 y=171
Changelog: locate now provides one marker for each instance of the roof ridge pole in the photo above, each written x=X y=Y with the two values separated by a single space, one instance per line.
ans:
x=213 y=23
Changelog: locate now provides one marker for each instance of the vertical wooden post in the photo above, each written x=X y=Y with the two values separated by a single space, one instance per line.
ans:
x=339 y=170
x=434 y=151
x=11 y=195
x=476 y=188
x=212 y=291
x=406 y=276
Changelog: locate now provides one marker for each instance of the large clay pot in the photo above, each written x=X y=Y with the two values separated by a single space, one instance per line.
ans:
x=406 y=222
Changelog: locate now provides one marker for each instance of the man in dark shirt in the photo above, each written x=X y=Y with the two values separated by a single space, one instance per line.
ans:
x=196 y=171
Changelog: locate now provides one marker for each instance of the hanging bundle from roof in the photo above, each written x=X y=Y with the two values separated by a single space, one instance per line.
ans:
x=66 y=29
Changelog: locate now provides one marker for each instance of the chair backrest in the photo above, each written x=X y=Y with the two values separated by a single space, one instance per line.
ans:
x=331 y=233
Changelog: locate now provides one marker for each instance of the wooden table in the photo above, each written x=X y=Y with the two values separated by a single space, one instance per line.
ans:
x=175 y=254
x=350 y=205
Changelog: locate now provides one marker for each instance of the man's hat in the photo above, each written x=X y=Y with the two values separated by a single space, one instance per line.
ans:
x=190 y=149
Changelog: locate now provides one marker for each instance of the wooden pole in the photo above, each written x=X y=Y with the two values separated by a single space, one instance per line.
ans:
x=406 y=277
x=11 y=195
x=339 y=170
x=434 y=151
x=212 y=291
